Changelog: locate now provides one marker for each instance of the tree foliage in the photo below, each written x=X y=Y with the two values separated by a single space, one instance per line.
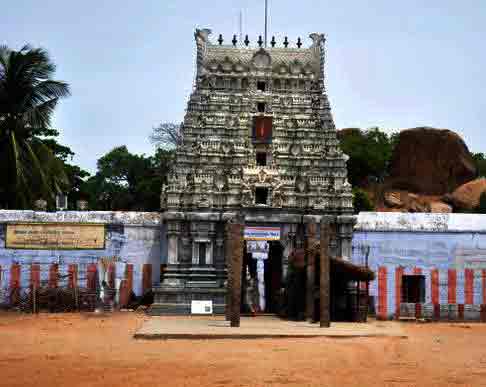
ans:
x=29 y=165
x=361 y=201
x=481 y=207
x=480 y=163
x=126 y=181
x=369 y=152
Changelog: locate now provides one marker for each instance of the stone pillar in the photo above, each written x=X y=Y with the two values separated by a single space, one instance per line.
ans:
x=325 y=268
x=345 y=224
x=173 y=232
x=289 y=245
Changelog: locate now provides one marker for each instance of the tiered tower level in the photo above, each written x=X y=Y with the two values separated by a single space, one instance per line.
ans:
x=258 y=140
x=258 y=133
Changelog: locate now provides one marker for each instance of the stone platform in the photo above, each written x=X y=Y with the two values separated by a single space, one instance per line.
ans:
x=261 y=327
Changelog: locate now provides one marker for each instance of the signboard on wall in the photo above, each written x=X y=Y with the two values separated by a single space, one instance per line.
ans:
x=262 y=233
x=201 y=307
x=55 y=236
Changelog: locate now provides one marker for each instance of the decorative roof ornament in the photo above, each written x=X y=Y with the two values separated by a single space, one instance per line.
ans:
x=299 y=43
x=260 y=41
x=273 y=42
x=234 y=41
x=220 y=39
x=286 y=42
x=247 y=41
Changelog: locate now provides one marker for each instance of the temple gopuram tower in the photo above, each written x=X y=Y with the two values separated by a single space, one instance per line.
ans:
x=258 y=140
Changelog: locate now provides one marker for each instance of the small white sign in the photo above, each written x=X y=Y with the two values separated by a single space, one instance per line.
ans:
x=201 y=307
x=262 y=233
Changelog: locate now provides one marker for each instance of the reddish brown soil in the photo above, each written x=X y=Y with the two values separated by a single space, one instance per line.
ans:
x=83 y=350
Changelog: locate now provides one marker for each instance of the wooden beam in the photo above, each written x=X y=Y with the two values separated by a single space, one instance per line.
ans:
x=229 y=275
x=324 y=283
x=310 y=271
x=236 y=266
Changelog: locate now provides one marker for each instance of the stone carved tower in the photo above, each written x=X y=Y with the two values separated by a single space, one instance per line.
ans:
x=258 y=138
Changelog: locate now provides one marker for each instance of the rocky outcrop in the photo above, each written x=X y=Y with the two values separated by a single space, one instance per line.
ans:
x=403 y=201
x=466 y=197
x=430 y=161
x=440 y=207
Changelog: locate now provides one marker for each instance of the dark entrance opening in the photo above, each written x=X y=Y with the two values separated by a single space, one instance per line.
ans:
x=261 y=195
x=413 y=288
x=261 y=85
x=261 y=158
x=272 y=269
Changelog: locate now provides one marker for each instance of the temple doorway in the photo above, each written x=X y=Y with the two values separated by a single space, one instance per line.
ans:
x=262 y=281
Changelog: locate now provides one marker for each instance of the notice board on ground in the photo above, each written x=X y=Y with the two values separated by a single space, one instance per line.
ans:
x=55 y=236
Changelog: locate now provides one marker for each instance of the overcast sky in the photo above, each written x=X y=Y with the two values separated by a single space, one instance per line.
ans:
x=130 y=64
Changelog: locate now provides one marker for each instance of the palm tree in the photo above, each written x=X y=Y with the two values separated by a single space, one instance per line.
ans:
x=28 y=96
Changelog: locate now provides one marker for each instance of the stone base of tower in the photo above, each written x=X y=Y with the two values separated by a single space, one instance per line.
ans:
x=177 y=300
x=181 y=286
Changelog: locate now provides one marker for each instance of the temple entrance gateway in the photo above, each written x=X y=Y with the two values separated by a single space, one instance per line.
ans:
x=258 y=143
x=262 y=280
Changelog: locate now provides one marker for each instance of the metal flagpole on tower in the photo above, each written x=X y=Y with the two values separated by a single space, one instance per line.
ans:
x=266 y=21
x=241 y=26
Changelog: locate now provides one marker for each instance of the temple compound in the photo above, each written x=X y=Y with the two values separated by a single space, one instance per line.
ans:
x=258 y=141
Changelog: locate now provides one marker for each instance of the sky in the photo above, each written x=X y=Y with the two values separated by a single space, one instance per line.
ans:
x=130 y=64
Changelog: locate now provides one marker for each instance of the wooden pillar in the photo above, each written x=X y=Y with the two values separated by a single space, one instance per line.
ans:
x=469 y=286
x=236 y=266
x=452 y=282
x=111 y=275
x=129 y=278
x=91 y=276
x=146 y=278
x=398 y=290
x=310 y=270
x=53 y=275
x=325 y=267
x=382 y=293
x=35 y=275
x=228 y=251
x=73 y=275
x=14 y=284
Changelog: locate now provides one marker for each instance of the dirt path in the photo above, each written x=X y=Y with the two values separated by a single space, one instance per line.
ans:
x=83 y=350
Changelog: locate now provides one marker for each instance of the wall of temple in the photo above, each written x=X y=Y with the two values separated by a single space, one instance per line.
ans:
x=449 y=250
x=133 y=238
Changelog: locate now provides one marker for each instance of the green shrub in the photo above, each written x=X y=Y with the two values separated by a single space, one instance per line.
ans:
x=481 y=207
x=361 y=201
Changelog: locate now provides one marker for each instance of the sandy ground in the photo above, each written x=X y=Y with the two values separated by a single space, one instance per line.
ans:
x=84 y=350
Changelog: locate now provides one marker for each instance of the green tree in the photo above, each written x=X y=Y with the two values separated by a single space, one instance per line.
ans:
x=480 y=163
x=361 y=201
x=29 y=168
x=125 y=181
x=481 y=207
x=369 y=152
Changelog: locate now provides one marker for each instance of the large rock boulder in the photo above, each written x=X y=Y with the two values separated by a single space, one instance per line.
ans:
x=403 y=201
x=466 y=197
x=430 y=161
